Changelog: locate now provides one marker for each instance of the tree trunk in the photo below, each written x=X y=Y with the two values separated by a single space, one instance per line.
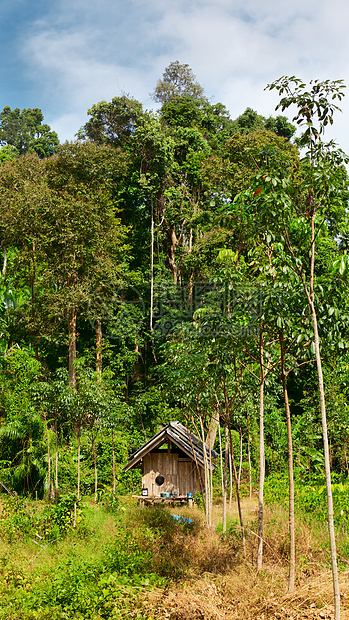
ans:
x=151 y=267
x=113 y=457
x=240 y=462
x=292 y=565
x=99 y=360
x=78 y=490
x=48 y=460
x=208 y=498
x=4 y=265
x=238 y=496
x=327 y=469
x=225 y=476
x=249 y=454
x=223 y=483
x=72 y=315
x=56 y=459
x=212 y=431
x=171 y=252
x=261 y=455
x=345 y=457
x=230 y=475
x=310 y=296
x=94 y=463
x=136 y=376
x=227 y=414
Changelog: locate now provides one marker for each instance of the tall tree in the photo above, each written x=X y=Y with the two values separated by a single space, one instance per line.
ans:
x=177 y=80
x=60 y=215
x=303 y=215
x=25 y=132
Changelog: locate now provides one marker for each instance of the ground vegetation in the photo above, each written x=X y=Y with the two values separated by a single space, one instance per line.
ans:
x=174 y=265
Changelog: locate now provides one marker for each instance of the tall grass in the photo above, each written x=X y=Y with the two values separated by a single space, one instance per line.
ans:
x=126 y=562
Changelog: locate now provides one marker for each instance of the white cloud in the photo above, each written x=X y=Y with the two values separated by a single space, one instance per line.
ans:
x=85 y=51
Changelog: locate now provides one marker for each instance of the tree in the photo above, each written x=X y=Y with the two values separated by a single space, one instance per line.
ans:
x=177 y=80
x=250 y=121
x=114 y=122
x=304 y=199
x=22 y=434
x=60 y=215
x=24 y=131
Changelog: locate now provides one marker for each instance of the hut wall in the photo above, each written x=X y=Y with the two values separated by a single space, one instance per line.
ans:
x=179 y=473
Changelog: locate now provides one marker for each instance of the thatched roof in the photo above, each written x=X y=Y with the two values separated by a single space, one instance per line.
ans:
x=189 y=443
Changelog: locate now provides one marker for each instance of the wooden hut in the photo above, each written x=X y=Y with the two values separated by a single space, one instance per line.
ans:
x=172 y=461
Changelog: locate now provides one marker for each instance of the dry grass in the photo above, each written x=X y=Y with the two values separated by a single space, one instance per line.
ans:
x=238 y=592
x=243 y=596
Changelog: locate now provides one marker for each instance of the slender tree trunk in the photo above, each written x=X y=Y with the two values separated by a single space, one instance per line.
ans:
x=212 y=431
x=240 y=462
x=223 y=484
x=113 y=456
x=78 y=490
x=56 y=459
x=345 y=457
x=171 y=252
x=202 y=487
x=249 y=454
x=230 y=472
x=94 y=463
x=238 y=495
x=227 y=414
x=4 y=265
x=327 y=469
x=136 y=376
x=99 y=360
x=72 y=315
x=225 y=472
x=310 y=296
x=292 y=565
x=261 y=455
x=190 y=291
x=151 y=267
x=48 y=460
x=32 y=280
x=208 y=498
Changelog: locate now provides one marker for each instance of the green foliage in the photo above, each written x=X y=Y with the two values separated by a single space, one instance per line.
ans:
x=177 y=80
x=22 y=442
x=251 y=121
x=224 y=202
x=22 y=520
x=24 y=131
x=8 y=153
x=310 y=495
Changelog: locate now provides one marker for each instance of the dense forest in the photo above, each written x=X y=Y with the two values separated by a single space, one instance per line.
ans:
x=176 y=265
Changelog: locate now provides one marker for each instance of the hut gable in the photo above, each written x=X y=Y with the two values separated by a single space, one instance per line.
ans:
x=177 y=469
x=182 y=438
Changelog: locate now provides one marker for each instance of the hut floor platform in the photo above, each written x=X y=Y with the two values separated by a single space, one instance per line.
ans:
x=177 y=500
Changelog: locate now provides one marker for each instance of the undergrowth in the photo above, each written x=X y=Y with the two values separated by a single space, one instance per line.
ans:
x=120 y=556
x=89 y=573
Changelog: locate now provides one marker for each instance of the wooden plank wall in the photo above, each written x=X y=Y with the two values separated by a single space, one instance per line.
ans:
x=179 y=473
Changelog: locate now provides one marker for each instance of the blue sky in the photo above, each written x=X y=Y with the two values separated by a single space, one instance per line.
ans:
x=64 y=55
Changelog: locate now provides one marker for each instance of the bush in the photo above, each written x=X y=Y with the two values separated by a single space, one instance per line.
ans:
x=21 y=519
x=311 y=497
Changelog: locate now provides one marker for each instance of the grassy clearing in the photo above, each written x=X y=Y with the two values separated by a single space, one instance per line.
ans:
x=133 y=563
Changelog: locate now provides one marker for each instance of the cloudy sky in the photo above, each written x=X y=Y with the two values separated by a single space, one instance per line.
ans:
x=64 y=55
